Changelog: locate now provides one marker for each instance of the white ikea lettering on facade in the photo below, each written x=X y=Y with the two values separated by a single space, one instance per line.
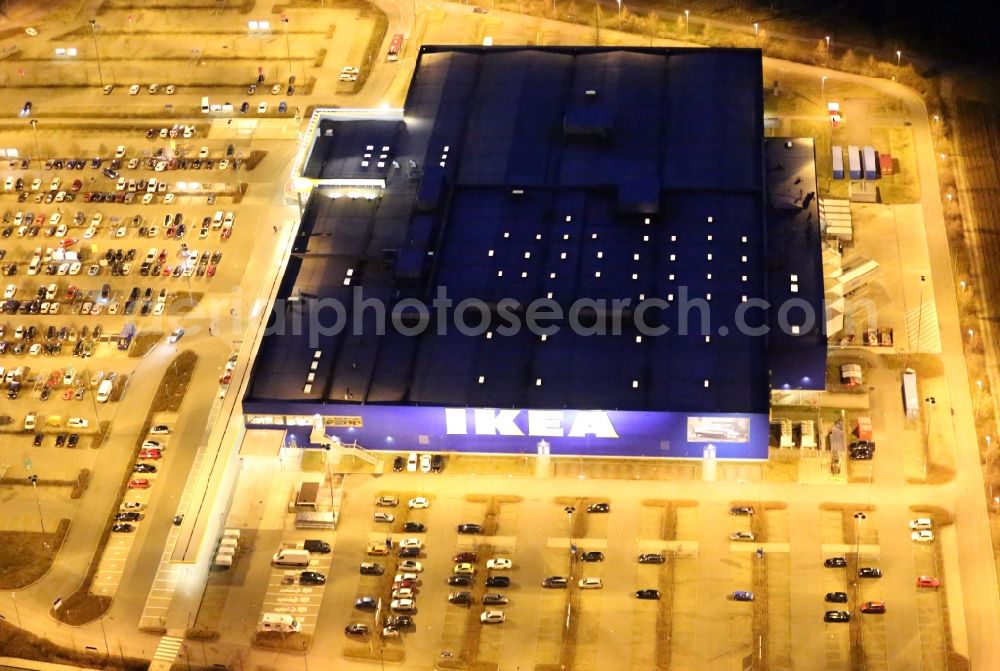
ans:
x=541 y=423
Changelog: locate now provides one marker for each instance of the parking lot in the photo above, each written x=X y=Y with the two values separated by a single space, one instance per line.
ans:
x=701 y=571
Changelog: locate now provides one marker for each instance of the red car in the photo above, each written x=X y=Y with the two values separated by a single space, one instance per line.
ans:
x=873 y=607
x=404 y=583
x=928 y=581
x=70 y=292
x=68 y=242
x=88 y=196
x=166 y=271
x=210 y=271
x=470 y=557
x=150 y=454
x=67 y=394
x=226 y=377
x=138 y=483
x=77 y=185
x=226 y=232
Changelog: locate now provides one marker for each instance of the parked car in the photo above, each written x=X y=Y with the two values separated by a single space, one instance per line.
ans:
x=592 y=556
x=923 y=536
x=414 y=527
x=495 y=600
x=599 y=508
x=469 y=528
x=928 y=581
x=122 y=528
x=651 y=558
x=590 y=583
x=419 y=502
x=869 y=572
x=387 y=501
x=742 y=595
x=499 y=563
x=492 y=617
x=741 y=510
x=460 y=598
x=370 y=568
x=835 y=597
x=312 y=578
x=356 y=629
x=835 y=562
x=744 y=536
x=836 y=616
x=556 y=581
x=647 y=594
x=876 y=607
x=498 y=581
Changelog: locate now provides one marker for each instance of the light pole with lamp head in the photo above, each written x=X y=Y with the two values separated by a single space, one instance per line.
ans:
x=569 y=512
x=33 y=479
x=38 y=152
x=899 y=56
x=619 y=8
x=687 y=21
x=288 y=48
x=822 y=87
x=93 y=33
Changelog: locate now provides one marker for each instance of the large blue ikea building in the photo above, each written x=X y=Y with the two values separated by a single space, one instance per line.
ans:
x=619 y=193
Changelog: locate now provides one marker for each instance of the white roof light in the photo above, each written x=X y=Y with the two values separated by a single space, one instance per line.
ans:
x=482 y=379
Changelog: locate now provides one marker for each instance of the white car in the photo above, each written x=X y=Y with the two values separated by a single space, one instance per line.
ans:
x=409 y=542
x=168 y=199
x=405 y=576
x=425 y=463
x=591 y=583
x=384 y=517
x=276 y=89
x=348 y=77
x=31 y=31
x=133 y=506
x=74 y=268
x=152 y=444
x=203 y=152
x=419 y=502
x=90 y=232
x=492 y=617
x=176 y=334
x=923 y=536
x=410 y=565
x=77 y=423
x=147 y=199
x=120 y=151
x=262 y=107
x=61 y=230
x=153 y=88
x=108 y=88
x=403 y=593
x=133 y=90
x=170 y=89
x=348 y=70
x=921 y=523
x=10 y=291
x=499 y=563
x=402 y=605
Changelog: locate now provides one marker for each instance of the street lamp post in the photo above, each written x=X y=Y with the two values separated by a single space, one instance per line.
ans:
x=979 y=395
x=619 y=8
x=687 y=21
x=38 y=152
x=822 y=87
x=756 y=29
x=899 y=56
x=569 y=513
x=93 y=33
x=288 y=48
x=33 y=479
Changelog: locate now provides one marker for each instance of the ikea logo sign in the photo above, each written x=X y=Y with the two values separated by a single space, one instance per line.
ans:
x=538 y=423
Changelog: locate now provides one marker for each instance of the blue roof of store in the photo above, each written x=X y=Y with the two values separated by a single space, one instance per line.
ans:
x=519 y=174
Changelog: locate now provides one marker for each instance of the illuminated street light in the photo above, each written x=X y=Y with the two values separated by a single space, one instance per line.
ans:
x=619 y=7
x=822 y=87
x=97 y=54
x=899 y=56
x=687 y=21
x=756 y=29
